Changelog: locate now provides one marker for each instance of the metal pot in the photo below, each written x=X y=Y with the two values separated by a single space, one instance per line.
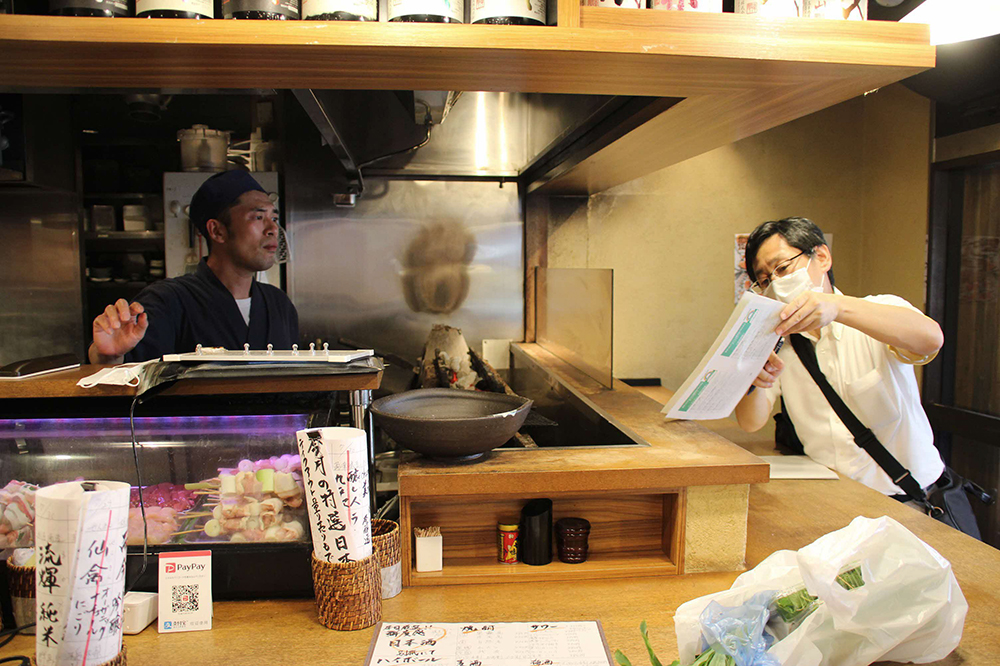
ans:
x=450 y=424
x=203 y=149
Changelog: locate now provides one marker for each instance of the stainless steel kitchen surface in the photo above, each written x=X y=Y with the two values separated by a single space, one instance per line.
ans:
x=496 y=133
x=41 y=310
x=559 y=418
x=410 y=254
x=434 y=238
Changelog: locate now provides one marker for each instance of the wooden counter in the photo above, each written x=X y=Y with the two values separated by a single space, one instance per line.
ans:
x=674 y=501
x=675 y=454
x=783 y=514
x=63 y=385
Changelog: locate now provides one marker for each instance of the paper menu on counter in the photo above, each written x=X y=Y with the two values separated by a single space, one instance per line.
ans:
x=80 y=530
x=797 y=467
x=727 y=370
x=490 y=644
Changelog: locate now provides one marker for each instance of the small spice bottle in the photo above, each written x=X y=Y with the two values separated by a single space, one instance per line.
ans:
x=507 y=542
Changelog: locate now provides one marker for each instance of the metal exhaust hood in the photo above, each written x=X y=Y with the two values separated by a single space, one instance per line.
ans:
x=500 y=136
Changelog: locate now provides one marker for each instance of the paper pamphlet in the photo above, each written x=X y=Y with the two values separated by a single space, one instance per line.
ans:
x=80 y=571
x=335 y=472
x=729 y=367
x=797 y=467
x=492 y=643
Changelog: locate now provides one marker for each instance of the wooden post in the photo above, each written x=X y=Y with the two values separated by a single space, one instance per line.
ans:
x=536 y=233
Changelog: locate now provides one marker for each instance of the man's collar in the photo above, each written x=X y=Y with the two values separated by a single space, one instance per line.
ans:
x=206 y=273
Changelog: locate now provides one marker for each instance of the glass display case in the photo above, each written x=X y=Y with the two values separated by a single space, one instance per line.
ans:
x=208 y=479
x=218 y=472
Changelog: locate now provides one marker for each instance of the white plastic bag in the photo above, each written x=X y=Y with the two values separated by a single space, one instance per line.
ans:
x=778 y=571
x=909 y=609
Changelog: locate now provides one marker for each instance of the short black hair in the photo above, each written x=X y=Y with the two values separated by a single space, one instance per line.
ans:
x=799 y=232
x=225 y=218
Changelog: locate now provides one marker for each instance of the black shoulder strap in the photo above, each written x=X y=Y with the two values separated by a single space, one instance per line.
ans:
x=863 y=436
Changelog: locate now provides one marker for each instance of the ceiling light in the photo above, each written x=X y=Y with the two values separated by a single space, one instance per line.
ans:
x=957 y=20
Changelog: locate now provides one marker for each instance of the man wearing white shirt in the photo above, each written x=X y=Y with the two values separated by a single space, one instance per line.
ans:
x=866 y=348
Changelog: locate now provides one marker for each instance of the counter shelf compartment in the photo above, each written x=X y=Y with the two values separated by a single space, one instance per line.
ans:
x=632 y=535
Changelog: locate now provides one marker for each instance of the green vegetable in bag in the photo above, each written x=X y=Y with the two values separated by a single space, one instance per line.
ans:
x=851 y=579
x=794 y=606
x=707 y=658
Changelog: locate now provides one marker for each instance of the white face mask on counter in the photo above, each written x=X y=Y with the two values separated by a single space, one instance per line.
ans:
x=127 y=374
x=787 y=288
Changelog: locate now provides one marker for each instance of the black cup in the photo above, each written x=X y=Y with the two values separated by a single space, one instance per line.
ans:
x=535 y=540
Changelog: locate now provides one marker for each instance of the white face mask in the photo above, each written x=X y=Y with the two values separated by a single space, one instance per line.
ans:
x=786 y=289
x=127 y=374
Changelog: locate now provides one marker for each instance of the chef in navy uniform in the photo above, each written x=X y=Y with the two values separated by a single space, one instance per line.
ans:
x=220 y=305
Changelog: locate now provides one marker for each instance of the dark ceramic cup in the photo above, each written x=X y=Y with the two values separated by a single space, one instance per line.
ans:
x=571 y=539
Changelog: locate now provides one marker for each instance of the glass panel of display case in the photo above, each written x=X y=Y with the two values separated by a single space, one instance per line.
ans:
x=206 y=479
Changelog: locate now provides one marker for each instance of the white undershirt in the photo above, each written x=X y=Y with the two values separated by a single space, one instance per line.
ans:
x=244 y=304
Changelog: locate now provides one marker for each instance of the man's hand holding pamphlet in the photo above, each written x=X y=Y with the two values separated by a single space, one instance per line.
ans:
x=731 y=364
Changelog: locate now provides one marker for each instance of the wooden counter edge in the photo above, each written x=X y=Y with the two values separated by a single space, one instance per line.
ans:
x=652 y=464
x=64 y=385
x=626 y=480
x=641 y=419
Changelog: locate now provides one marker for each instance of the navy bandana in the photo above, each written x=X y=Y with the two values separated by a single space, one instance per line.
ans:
x=217 y=194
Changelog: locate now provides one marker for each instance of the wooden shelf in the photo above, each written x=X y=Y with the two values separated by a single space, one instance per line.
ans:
x=668 y=54
x=123 y=236
x=123 y=241
x=467 y=571
x=131 y=285
x=122 y=196
x=739 y=75
x=631 y=534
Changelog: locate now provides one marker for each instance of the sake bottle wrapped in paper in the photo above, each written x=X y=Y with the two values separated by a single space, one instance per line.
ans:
x=335 y=474
x=80 y=530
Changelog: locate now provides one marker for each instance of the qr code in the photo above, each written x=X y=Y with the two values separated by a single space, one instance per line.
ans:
x=184 y=598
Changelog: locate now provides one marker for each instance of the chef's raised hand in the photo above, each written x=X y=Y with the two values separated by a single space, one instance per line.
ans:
x=770 y=372
x=117 y=331
x=809 y=311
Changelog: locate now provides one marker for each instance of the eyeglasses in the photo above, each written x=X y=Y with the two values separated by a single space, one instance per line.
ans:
x=781 y=270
